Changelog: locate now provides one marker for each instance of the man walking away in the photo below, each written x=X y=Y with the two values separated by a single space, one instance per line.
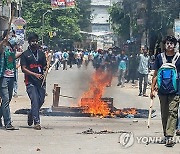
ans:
x=65 y=57
x=167 y=69
x=143 y=71
x=33 y=63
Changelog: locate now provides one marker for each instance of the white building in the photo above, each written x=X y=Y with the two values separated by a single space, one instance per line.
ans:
x=100 y=24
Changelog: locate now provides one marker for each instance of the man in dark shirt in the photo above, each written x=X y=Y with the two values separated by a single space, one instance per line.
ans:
x=169 y=103
x=33 y=63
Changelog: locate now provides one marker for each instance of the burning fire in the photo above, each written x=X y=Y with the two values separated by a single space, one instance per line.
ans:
x=92 y=102
x=94 y=105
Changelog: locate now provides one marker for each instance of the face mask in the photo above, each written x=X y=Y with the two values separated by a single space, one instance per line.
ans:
x=110 y=52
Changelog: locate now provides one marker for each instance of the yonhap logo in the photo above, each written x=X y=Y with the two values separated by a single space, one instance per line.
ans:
x=126 y=140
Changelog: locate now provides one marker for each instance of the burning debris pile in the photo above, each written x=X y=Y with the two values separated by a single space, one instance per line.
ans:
x=91 y=100
x=93 y=103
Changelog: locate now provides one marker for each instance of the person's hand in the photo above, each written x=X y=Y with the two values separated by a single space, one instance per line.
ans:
x=152 y=94
x=39 y=76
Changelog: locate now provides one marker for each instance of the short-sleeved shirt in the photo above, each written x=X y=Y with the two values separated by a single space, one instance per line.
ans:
x=7 y=62
x=123 y=62
x=143 y=64
x=34 y=62
x=158 y=63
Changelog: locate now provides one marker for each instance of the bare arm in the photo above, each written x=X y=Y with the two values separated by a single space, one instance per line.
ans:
x=18 y=54
x=153 y=85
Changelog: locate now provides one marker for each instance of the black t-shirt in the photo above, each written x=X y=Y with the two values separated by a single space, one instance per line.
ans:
x=34 y=62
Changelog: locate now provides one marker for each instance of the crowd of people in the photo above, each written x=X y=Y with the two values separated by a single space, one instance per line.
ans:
x=125 y=65
x=117 y=63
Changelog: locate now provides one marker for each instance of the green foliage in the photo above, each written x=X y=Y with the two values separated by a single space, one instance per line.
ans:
x=158 y=16
x=65 y=22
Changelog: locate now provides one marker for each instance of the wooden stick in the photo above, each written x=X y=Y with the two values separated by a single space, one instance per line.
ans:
x=9 y=26
x=47 y=68
x=150 y=112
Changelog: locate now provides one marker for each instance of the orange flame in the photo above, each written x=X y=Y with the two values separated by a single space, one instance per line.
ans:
x=93 y=103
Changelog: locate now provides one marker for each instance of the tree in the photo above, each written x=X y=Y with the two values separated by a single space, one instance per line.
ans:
x=158 y=16
x=65 y=22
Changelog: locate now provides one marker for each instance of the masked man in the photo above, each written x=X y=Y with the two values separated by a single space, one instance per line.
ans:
x=7 y=76
x=33 y=63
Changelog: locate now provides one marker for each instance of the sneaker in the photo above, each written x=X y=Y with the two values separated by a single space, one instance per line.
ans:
x=178 y=133
x=163 y=141
x=170 y=142
x=118 y=84
x=140 y=94
x=37 y=127
x=9 y=127
x=30 y=119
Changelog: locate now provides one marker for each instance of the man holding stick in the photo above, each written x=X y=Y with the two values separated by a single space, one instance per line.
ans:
x=166 y=75
x=33 y=64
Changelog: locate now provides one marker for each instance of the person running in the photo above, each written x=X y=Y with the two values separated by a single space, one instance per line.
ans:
x=167 y=67
x=33 y=63
x=7 y=76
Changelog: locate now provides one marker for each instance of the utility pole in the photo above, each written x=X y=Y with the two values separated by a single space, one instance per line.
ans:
x=43 y=24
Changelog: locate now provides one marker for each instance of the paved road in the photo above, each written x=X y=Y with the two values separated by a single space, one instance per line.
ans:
x=60 y=135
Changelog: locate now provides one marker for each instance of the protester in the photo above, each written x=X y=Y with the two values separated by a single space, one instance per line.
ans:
x=33 y=63
x=7 y=76
x=122 y=68
x=143 y=71
x=65 y=58
x=167 y=64
x=71 y=58
x=132 y=69
x=110 y=61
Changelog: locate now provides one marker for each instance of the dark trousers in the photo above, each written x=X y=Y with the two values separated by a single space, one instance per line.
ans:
x=141 y=78
x=169 y=113
x=36 y=95
x=131 y=75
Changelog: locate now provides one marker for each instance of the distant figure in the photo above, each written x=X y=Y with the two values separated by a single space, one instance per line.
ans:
x=132 y=70
x=122 y=68
x=143 y=71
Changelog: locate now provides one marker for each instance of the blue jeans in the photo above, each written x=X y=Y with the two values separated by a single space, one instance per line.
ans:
x=16 y=84
x=36 y=95
x=6 y=90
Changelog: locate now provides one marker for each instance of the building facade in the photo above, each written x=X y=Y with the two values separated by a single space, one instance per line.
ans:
x=100 y=23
